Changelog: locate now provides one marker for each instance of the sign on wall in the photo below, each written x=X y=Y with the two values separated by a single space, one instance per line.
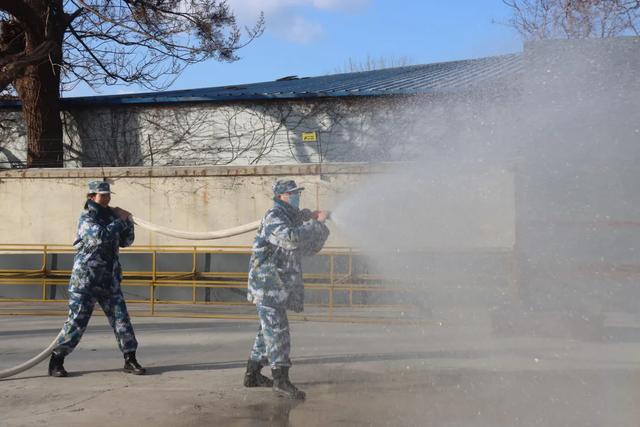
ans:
x=310 y=136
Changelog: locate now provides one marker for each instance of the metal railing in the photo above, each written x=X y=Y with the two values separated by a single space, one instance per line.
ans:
x=347 y=293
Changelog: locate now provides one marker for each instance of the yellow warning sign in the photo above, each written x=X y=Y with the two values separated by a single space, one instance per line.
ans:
x=309 y=136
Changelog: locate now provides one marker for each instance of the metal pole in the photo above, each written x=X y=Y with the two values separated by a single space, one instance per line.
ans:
x=44 y=272
x=153 y=283
x=54 y=266
x=331 y=281
x=350 y=277
x=43 y=269
x=193 y=275
x=207 y=268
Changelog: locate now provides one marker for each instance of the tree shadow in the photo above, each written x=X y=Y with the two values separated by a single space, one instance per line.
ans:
x=12 y=159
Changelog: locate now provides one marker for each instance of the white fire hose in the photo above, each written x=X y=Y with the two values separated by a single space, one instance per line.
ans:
x=31 y=362
x=204 y=235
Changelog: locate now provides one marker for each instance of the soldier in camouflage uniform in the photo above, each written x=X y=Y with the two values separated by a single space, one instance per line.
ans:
x=285 y=235
x=96 y=277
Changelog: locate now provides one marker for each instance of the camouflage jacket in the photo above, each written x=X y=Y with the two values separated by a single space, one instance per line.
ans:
x=99 y=237
x=275 y=269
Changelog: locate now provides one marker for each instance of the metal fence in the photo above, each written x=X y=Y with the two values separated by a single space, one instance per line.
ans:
x=205 y=281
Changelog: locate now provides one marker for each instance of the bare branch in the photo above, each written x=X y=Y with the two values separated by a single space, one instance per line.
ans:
x=21 y=11
x=11 y=66
x=542 y=19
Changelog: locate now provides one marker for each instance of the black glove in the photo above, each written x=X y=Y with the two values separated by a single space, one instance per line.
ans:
x=306 y=214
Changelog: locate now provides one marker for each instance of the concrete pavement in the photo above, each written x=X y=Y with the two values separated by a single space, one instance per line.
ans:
x=451 y=374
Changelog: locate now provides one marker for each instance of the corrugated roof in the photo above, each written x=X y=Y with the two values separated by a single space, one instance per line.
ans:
x=415 y=79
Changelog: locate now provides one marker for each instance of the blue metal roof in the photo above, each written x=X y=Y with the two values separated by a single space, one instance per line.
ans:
x=415 y=79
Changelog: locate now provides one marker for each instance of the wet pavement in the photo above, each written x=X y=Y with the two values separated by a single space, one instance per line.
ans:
x=449 y=374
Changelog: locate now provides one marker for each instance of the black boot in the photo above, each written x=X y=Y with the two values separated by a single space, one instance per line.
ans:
x=283 y=387
x=253 y=377
x=55 y=366
x=131 y=365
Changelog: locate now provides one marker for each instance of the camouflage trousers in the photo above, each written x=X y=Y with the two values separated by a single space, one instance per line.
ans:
x=81 y=306
x=273 y=342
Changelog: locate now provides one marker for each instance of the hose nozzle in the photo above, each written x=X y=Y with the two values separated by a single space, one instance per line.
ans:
x=314 y=214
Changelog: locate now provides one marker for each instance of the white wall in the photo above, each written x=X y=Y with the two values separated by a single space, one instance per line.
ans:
x=349 y=130
x=43 y=205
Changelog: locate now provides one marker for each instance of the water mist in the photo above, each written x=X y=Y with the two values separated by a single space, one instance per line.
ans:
x=514 y=225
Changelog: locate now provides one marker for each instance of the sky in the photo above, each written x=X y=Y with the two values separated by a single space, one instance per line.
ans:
x=317 y=37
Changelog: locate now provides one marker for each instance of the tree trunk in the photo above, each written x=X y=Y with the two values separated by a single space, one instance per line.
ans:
x=39 y=93
x=39 y=89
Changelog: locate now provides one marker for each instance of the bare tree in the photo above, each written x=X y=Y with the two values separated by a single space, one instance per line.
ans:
x=50 y=45
x=573 y=19
x=352 y=65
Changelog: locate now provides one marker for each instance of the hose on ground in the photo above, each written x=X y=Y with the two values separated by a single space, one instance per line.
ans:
x=189 y=235
x=31 y=362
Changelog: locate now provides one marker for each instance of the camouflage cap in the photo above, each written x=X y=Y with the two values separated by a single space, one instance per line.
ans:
x=99 y=187
x=285 y=186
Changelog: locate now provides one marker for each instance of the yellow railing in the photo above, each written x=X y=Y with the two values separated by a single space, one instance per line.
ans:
x=338 y=277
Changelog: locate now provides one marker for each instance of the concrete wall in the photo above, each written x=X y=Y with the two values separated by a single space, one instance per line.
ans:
x=42 y=206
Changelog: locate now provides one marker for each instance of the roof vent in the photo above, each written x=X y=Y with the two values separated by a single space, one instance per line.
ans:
x=281 y=79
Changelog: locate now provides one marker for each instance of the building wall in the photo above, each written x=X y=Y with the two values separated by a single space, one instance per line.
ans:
x=13 y=143
x=349 y=130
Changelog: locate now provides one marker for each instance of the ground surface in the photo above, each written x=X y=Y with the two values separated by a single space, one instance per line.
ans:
x=451 y=374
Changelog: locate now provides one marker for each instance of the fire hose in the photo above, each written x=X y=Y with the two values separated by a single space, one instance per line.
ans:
x=31 y=362
x=205 y=235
